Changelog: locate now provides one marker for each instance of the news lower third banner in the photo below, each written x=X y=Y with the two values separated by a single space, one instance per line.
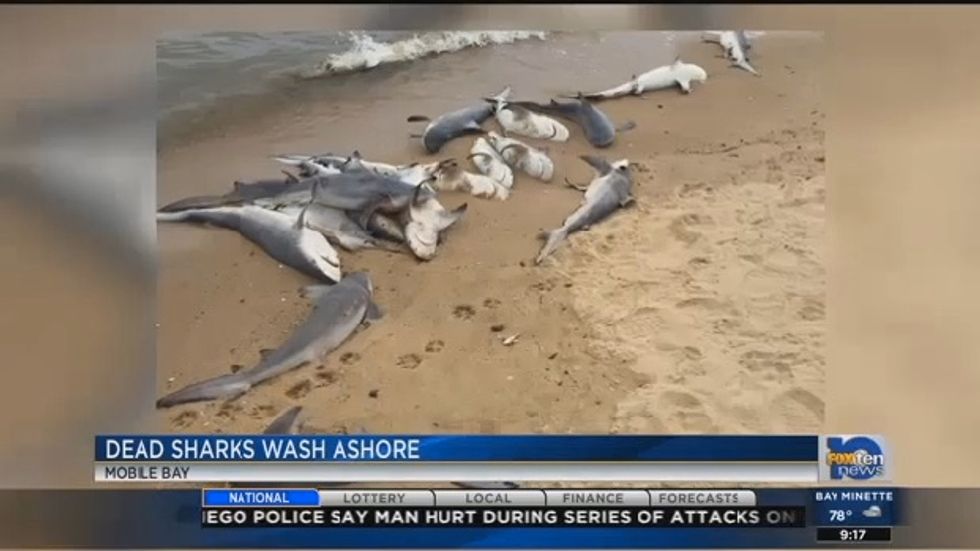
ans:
x=374 y=458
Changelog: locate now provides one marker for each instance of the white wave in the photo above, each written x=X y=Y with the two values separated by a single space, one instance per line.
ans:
x=366 y=53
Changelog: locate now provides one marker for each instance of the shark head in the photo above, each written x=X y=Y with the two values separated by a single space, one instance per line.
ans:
x=699 y=74
x=427 y=219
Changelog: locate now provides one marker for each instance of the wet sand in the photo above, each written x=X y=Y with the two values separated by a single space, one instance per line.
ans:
x=700 y=309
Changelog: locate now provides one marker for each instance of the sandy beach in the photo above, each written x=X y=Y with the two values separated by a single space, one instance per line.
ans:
x=700 y=309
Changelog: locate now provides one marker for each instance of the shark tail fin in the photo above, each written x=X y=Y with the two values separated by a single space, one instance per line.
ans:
x=225 y=386
x=552 y=239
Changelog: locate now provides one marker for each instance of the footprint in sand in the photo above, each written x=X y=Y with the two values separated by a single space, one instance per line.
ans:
x=264 y=411
x=491 y=303
x=409 y=361
x=464 y=312
x=326 y=378
x=185 y=419
x=707 y=303
x=435 y=346
x=636 y=415
x=770 y=366
x=799 y=410
x=812 y=310
x=544 y=286
x=299 y=390
x=228 y=410
x=687 y=411
x=350 y=358
x=689 y=190
x=691 y=352
x=679 y=229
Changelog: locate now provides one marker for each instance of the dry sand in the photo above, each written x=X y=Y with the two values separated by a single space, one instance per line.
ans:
x=701 y=309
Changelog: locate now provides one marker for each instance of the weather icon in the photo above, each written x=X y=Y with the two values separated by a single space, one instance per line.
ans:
x=872 y=512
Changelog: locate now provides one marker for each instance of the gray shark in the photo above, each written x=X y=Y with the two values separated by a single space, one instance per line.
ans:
x=609 y=191
x=341 y=230
x=452 y=125
x=283 y=237
x=598 y=127
x=242 y=192
x=366 y=193
x=338 y=310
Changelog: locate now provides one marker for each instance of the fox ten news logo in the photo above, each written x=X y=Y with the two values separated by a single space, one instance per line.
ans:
x=853 y=457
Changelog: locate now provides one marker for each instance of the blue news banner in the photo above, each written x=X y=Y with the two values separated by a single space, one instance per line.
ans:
x=308 y=516
x=455 y=448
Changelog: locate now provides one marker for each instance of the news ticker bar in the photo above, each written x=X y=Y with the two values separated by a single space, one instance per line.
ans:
x=305 y=473
x=308 y=497
x=120 y=518
x=843 y=507
x=516 y=517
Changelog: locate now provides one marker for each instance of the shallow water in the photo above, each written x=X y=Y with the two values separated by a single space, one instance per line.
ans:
x=198 y=71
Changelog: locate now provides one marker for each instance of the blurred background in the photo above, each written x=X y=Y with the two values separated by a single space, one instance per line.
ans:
x=77 y=233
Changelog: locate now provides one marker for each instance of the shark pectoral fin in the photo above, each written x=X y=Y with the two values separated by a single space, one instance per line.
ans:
x=578 y=187
x=384 y=245
x=364 y=217
x=286 y=422
x=418 y=118
x=300 y=223
x=628 y=201
x=626 y=127
x=448 y=219
x=473 y=127
x=373 y=312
